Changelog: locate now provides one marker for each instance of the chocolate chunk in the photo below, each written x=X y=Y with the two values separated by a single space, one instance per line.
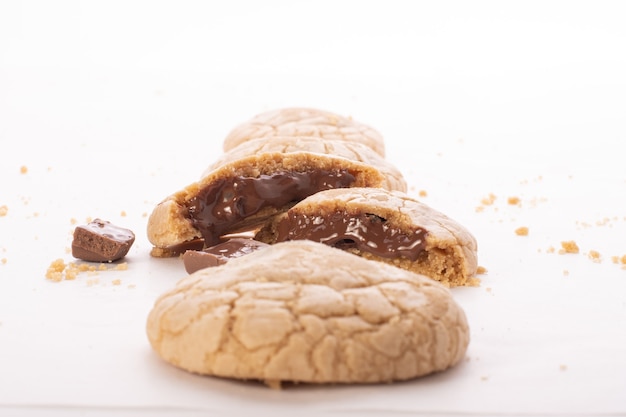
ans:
x=101 y=241
x=219 y=254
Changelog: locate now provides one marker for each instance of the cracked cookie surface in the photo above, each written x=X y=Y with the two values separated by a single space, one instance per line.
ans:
x=303 y=121
x=302 y=311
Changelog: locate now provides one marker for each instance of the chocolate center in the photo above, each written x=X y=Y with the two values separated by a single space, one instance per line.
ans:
x=366 y=232
x=221 y=206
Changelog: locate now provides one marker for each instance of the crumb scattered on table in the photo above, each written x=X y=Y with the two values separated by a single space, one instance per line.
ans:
x=489 y=200
x=569 y=246
x=522 y=231
x=473 y=282
x=594 y=256
x=514 y=201
x=59 y=270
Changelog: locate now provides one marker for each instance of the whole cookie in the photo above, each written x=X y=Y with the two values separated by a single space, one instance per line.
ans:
x=386 y=226
x=302 y=311
x=303 y=121
x=260 y=178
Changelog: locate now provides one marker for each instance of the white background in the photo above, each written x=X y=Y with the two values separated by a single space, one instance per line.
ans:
x=111 y=106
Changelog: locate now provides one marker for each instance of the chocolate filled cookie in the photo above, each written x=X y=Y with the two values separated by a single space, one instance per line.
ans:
x=382 y=225
x=305 y=312
x=259 y=179
x=302 y=121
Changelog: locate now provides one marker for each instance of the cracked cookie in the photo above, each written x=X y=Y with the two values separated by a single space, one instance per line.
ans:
x=387 y=226
x=259 y=179
x=302 y=311
x=302 y=121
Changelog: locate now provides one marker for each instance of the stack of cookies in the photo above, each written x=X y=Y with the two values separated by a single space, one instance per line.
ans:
x=324 y=269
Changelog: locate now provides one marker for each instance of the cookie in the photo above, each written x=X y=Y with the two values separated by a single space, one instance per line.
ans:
x=305 y=312
x=301 y=121
x=387 y=226
x=261 y=178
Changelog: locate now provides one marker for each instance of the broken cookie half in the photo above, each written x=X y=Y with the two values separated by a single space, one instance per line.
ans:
x=305 y=312
x=382 y=225
x=259 y=179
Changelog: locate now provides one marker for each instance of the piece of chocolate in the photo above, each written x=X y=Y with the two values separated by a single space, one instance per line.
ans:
x=101 y=241
x=219 y=254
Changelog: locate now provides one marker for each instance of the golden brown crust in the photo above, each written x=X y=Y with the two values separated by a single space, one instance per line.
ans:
x=301 y=121
x=168 y=224
x=305 y=312
x=451 y=250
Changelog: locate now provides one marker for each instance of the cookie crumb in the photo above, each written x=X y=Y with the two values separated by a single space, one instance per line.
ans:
x=565 y=272
x=594 y=256
x=489 y=200
x=122 y=266
x=551 y=249
x=481 y=270
x=569 y=247
x=522 y=231
x=23 y=169
x=423 y=193
x=59 y=270
x=123 y=213
x=514 y=201
x=563 y=367
x=4 y=210
x=55 y=270
x=92 y=282
x=473 y=282
x=116 y=282
x=4 y=261
x=71 y=273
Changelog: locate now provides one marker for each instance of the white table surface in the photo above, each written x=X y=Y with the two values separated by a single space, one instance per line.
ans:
x=111 y=106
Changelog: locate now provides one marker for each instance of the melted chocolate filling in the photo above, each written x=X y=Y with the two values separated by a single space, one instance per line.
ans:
x=219 y=207
x=367 y=232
